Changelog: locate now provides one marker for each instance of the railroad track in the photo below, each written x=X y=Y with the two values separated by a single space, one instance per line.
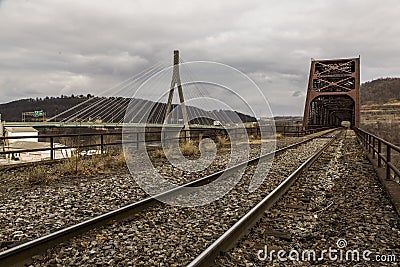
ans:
x=23 y=253
x=337 y=203
x=70 y=199
x=242 y=226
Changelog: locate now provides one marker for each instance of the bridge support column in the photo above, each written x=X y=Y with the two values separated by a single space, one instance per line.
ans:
x=176 y=81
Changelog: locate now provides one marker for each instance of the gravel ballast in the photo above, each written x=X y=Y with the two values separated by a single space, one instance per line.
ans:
x=169 y=235
x=338 y=204
x=29 y=211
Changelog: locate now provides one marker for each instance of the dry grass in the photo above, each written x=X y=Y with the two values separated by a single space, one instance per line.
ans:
x=189 y=148
x=38 y=174
x=384 y=126
x=382 y=120
x=159 y=153
x=69 y=166
x=120 y=159
x=77 y=166
x=105 y=162
x=222 y=140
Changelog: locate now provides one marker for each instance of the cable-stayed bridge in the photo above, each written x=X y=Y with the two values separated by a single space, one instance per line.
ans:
x=146 y=99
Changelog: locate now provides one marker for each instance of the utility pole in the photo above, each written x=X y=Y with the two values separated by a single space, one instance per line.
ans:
x=176 y=81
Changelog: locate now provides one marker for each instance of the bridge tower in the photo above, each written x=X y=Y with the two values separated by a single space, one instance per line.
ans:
x=176 y=81
x=333 y=93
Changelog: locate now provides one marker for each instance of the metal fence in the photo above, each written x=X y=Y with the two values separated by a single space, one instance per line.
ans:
x=74 y=140
x=297 y=130
x=382 y=151
x=103 y=140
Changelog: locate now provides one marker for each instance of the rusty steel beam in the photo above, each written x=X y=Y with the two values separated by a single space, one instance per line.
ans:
x=333 y=93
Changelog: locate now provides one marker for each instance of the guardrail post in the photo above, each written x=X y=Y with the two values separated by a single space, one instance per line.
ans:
x=379 y=154
x=102 y=143
x=137 y=140
x=388 y=160
x=365 y=141
x=51 y=148
x=373 y=147
x=369 y=144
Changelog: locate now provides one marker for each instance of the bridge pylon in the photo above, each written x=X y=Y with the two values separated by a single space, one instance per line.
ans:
x=333 y=93
x=176 y=82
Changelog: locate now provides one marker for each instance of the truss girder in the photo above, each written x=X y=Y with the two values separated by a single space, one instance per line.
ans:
x=333 y=93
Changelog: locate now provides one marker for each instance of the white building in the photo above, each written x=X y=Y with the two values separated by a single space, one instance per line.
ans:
x=21 y=131
x=59 y=153
x=31 y=143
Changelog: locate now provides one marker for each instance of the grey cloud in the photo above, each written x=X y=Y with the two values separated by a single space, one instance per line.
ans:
x=48 y=47
x=297 y=93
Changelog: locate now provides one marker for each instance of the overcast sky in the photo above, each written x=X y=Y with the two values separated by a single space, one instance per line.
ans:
x=52 y=47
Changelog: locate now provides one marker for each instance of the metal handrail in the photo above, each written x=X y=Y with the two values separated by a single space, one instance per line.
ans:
x=139 y=139
x=373 y=145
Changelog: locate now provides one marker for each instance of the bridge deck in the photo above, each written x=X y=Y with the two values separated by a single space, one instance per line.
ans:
x=102 y=125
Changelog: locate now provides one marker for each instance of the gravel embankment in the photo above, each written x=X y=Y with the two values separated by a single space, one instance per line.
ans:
x=340 y=198
x=170 y=235
x=30 y=211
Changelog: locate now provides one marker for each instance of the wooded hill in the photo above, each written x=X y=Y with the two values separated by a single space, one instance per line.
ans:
x=380 y=91
x=12 y=111
x=380 y=109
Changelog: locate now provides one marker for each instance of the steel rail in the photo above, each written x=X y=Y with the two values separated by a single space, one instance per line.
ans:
x=21 y=254
x=241 y=227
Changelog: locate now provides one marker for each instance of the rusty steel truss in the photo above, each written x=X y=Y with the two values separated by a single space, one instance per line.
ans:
x=333 y=93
